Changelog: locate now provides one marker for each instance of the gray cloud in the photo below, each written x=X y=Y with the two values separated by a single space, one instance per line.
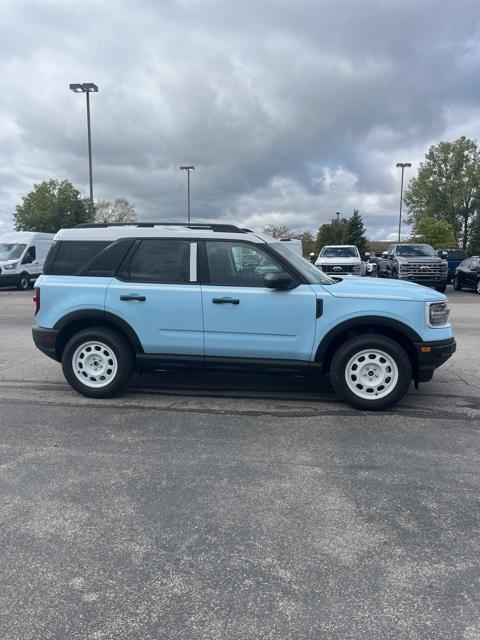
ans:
x=289 y=111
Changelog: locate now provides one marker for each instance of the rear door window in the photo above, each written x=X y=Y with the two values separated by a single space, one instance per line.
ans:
x=161 y=261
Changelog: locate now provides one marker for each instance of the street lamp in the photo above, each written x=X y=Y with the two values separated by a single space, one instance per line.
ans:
x=403 y=165
x=188 y=169
x=87 y=88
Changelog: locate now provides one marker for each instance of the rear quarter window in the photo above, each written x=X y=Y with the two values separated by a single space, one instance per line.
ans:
x=68 y=258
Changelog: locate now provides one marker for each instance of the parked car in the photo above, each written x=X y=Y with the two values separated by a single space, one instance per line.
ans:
x=416 y=263
x=22 y=256
x=371 y=264
x=340 y=259
x=167 y=297
x=467 y=275
x=453 y=257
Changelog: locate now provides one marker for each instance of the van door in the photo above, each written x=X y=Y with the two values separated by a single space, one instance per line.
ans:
x=158 y=295
x=29 y=262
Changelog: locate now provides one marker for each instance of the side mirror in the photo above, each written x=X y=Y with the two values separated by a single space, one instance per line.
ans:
x=279 y=280
x=443 y=254
x=385 y=254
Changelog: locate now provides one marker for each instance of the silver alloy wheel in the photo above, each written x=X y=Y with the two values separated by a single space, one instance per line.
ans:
x=371 y=374
x=95 y=364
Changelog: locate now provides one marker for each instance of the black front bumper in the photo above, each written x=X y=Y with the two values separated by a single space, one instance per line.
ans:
x=432 y=355
x=45 y=340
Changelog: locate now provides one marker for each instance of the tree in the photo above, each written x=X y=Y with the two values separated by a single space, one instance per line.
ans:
x=355 y=232
x=308 y=242
x=119 y=211
x=474 y=242
x=278 y=231
x=331 y=233
x=52 y=205
x=437 y=233
x=447 y=187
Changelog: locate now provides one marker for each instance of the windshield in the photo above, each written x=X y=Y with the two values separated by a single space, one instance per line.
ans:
x=11 y=251
x=311 y=274
x=415 y=251
x=339 y=252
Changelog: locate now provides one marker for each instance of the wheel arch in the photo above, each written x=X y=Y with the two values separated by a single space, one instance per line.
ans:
x=78 y=320
x=394 y=329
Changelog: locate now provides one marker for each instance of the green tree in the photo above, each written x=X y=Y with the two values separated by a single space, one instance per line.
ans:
x=331 y=233
x=278 y=231
x=447 y=187
x=437 y=233
x=355 y=232
x=119 y=211
x=52 y=205
x=474 y=242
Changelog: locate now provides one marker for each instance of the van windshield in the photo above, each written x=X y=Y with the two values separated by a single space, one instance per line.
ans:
x=11 y=251
x=311 y=274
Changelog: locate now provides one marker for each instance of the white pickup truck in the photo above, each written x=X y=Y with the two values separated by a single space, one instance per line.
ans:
x=340 y=260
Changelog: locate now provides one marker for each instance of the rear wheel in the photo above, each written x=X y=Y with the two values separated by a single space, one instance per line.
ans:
x=98 y=362
x=456 y=283
x=371 y=372
x=24 y=282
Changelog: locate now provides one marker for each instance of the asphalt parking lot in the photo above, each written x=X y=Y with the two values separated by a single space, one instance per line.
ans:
x=236 y=508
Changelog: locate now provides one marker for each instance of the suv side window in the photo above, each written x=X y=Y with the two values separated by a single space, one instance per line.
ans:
x=70 y=256
x=238 y=264
x=161 y=261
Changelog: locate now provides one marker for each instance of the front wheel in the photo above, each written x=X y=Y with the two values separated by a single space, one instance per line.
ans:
x=24 y=282
x=457 y=284
x=478 y=286
x=98 y=362
x=371 y=372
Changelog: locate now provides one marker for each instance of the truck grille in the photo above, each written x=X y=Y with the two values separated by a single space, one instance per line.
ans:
x=337 y=269
x=422 y=271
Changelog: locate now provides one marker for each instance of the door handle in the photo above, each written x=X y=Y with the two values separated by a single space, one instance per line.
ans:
x=225 y=301
x=133 y=296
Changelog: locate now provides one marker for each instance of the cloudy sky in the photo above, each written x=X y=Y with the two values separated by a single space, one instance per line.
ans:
x=290 y=110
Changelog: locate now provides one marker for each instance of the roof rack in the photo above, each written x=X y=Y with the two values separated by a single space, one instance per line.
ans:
x=225 y=228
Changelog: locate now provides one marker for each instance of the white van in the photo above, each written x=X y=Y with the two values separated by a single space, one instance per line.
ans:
x=22 y=256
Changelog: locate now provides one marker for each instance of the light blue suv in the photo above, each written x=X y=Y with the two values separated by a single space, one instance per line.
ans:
x=116 y=298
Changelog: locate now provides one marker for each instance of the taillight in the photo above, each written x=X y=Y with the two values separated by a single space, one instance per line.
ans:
x=36 y=299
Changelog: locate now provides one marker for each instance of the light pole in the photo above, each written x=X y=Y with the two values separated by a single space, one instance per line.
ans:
x=188 y=169
x=403 y=165
x=87 y=88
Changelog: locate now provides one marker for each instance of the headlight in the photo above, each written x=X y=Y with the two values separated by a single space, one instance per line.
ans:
x=356 y=267
x=319 y=266
x=438 y=314
x=7 y=267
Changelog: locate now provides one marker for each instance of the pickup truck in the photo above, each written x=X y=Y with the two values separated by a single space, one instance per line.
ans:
x=416 y=263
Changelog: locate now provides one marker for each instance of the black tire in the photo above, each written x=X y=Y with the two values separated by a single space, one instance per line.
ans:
x=456 y=283
x=24 y=282
x=115 y=342
x=355 y=345
x=441 y=289
x=477 y=289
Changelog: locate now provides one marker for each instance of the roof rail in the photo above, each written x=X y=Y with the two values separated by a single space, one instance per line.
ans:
x=225 y=228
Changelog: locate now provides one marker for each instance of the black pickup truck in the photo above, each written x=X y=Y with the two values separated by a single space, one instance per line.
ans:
x=414 y=262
